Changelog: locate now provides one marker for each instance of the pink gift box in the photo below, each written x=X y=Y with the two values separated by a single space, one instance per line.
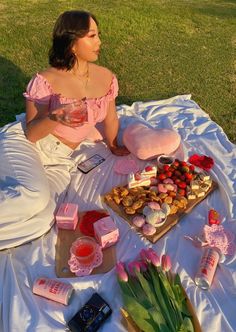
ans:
x=67 y=216
x=106 y=232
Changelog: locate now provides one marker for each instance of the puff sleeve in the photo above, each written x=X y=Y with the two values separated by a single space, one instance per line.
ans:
x=38 y=90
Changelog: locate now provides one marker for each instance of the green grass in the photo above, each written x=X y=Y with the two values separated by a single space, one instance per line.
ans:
x=157 y=48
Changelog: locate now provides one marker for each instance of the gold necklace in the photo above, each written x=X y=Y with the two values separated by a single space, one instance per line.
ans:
x=84 y=75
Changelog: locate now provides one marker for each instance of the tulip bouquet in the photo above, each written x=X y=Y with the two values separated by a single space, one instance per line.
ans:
x=152 y=295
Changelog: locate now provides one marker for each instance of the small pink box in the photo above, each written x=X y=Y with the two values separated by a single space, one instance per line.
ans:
x=106 y=232
x=67 y=216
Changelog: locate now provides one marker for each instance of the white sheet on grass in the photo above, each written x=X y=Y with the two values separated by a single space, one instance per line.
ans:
x=21 y=311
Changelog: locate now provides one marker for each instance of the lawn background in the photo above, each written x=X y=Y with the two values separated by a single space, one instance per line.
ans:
x=157 y=48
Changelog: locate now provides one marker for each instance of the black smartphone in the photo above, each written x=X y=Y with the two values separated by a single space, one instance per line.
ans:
x=90 y=163
x=91 y=316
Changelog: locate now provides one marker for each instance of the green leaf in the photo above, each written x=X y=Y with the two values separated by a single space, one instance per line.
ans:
x=164 y=300
x=158 y=318
x=140 y=315
x=147 y=288
x=186 y=326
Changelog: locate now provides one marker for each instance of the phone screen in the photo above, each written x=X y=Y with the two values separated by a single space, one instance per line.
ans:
x=90 y=163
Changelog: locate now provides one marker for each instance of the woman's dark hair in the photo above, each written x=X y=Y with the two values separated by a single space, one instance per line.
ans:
x=69 y=26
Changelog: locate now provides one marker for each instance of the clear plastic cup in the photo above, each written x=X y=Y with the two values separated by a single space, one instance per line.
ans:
x=76 y=112
x=84 y=249
x=164 y=160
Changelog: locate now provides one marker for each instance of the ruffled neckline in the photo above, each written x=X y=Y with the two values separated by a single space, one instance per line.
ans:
x=97 y=99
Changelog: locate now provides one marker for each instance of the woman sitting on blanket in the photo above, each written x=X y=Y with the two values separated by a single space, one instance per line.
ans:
x=71 y=78
x=63 y=105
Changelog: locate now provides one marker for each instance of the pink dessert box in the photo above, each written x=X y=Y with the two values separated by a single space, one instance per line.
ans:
x=67 y=216
x=106 y=232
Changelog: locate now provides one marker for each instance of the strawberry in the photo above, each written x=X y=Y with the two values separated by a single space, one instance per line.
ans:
x=181 y=192
x=189 y=176
x=182 y=185
x=176 y=163
x=168 y=174
x=148 y=168
x=166 y=168
x=177 y=181
x=177 y=173
x=185 y=169
x=137 y=176
x=183 y=163
x=162 y=176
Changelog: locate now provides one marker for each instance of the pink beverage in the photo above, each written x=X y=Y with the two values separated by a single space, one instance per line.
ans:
x=84 y=249
x=77 y=112
x=53 y=290
x=207 y=268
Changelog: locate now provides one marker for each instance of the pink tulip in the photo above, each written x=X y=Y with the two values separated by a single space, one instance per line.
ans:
x=153 y=257
x=144 y=255
x=133 y=267
x=143 y=266
x=121 y=273
x=165 y=263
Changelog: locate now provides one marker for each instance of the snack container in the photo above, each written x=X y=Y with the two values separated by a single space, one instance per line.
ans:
x=164 y=160
x=106 y=232
x=67 y=216
x=53 y=290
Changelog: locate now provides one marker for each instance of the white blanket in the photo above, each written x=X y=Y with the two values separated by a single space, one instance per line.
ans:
x=21 y=310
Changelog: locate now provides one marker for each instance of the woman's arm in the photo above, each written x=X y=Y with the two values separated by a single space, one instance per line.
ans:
x=111 y=127
x=38 y=123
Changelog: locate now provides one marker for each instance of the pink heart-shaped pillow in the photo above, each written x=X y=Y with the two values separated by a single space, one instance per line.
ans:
x=147 y=143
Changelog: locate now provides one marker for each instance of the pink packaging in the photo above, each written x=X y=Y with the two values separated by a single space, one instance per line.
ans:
x=53 y=290
x=106 y=232
x=67 y=216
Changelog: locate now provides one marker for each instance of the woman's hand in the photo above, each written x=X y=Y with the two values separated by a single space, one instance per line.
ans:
x=119 y=150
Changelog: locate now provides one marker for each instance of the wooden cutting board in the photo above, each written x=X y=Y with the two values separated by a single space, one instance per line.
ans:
x=64 y=241
x=171 y=221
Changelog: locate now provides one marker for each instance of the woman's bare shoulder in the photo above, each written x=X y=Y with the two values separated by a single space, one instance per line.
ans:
x=50 y=73
x=101 y=72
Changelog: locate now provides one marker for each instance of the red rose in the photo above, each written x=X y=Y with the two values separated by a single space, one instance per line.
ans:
x=87 y=221
x=201 y=161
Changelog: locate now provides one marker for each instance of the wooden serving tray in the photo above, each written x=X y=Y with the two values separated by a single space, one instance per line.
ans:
x=130 y=325
x=64 y=240
x=171 y=221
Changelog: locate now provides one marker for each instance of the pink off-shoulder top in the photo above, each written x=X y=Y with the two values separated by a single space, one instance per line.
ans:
x=40 y=92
